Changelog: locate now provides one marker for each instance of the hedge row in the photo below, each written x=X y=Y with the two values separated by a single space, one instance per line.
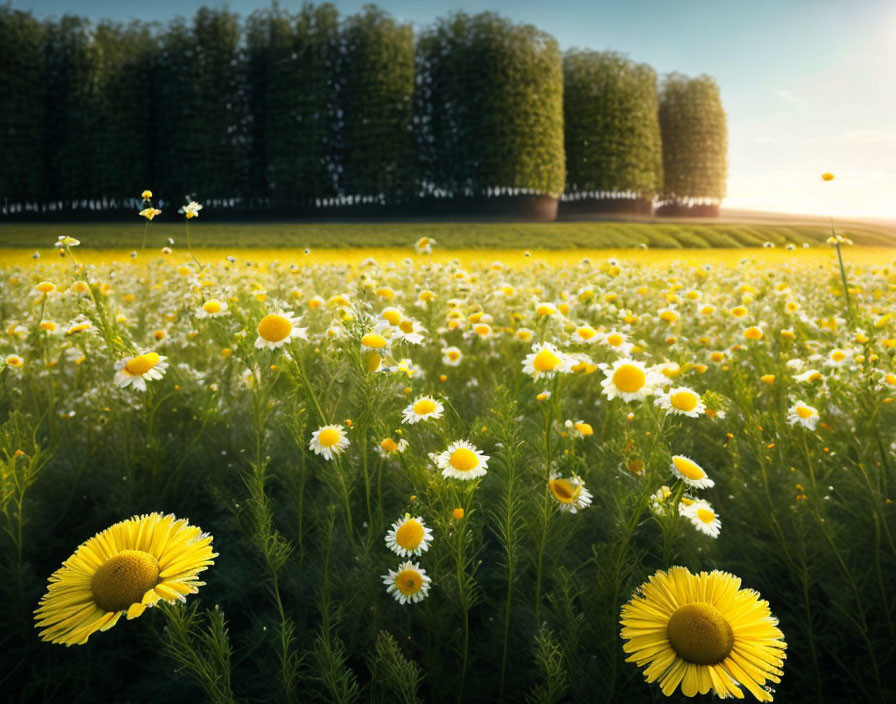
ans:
x=308 y=109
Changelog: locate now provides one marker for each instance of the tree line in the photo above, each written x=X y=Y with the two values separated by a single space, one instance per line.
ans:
x=309 y=110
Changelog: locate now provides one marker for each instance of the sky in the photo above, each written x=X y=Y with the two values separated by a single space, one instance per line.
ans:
x=808 y=85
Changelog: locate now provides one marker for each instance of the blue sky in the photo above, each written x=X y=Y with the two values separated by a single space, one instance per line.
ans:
x=808 y=85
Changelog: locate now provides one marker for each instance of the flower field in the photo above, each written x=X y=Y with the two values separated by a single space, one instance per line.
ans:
x=448 y=476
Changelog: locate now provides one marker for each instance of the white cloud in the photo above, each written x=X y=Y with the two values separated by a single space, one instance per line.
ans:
x=790 y=97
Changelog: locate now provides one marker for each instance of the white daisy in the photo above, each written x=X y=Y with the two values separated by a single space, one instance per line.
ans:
x=803 y=414
x=629 y=380
x=617 y=341
x=570 y=493
x=451 y=356
x=409 y=330
x=681 y=401
x=134 y=371
x=545 y=360
x=408 y=536
x=277 y=329
x=329 y=440
x=690 y=472
x=212 y=308
x=461 y=461
x=409 y=583
x=423 y=408
x=702 y=516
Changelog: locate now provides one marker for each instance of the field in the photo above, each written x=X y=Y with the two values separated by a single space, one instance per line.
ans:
x=735 y=229
x=443 y=478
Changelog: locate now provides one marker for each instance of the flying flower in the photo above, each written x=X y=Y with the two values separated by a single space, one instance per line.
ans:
x=570 y=493
x=461 y=461
x=703 y=632
x=329 y=441
x=190 y=210
x=134 y=371
x=803 y=414
x=690 y=472
x=409 y=583
x=424 y=408
x=122 y=570
x=409 y=536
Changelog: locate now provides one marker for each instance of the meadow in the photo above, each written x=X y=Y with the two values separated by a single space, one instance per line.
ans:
x=466 y=476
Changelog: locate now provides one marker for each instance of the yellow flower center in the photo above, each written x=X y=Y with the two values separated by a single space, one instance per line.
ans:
x=373 y=340
x=409 y=582
x=838 y=355
x=700 y=634
x=138 y=366
x=453 y=355
x=389 y=445
x=564 y=490
x=329 y=437
x=124 y=579
x=212 y=307
x=753 y=333
x=409 y=534
x=688 y=468
x=274 y=328
x=585 y=332
x=406 y=326
x=629 y=378
x=684 y=401
x=615 y=339
x=392 y=316
x=424 y=406
x=463 y=459
x=805 y=412
x=545 y=361
x=46 y=287
x=890 y=379
x=705 y=515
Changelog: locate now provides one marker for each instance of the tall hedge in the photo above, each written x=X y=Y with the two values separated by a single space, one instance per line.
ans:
x=22 y=98
x=611 y=126
x=120 y=112
x=199 y=142
x=489 y=108
x=695 y=140
x=292 y=64
x=376 y=92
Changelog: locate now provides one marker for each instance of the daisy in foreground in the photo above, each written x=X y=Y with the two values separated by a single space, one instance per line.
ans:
x=545 y=360
x=703 y=632
x=134 y=371
x=122 y=570
x=690 y=472
x=461 y=461
x=803 y=414
x=629 y=380
x=409 y=536
x=409 y=583
x=329 y=441
x=424 y=408
x=570 y=493
x=277 y=329
x=681 y=401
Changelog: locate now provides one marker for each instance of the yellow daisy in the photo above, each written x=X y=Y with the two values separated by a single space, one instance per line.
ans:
x=122 y=570
x=703 y=632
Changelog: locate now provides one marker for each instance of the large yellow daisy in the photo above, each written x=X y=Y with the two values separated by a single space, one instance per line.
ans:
x=122 y=570
x=703 y=632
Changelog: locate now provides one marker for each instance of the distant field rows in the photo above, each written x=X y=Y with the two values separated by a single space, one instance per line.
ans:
x=449 y=235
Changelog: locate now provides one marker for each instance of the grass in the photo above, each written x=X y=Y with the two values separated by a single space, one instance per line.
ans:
x=450 y=235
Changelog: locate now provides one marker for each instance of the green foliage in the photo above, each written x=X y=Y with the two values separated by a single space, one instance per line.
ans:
x=292 y=64
x=394 y=678
x=553 y=681
x=376 y=88
x=611 y=126
x=489 y=108
x=695 y=140
x=199 y=111
x=22 y=98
